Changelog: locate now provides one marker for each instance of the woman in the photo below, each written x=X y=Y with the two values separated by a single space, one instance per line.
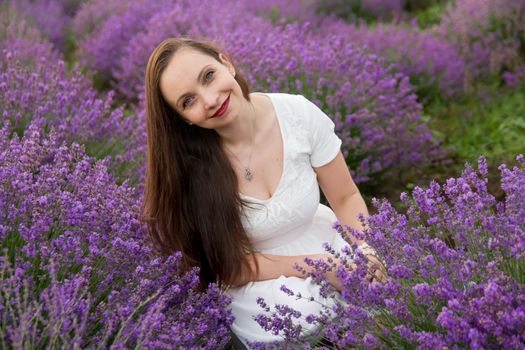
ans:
x=233 y=180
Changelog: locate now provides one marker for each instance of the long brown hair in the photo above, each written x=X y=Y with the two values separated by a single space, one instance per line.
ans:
x=191 y=200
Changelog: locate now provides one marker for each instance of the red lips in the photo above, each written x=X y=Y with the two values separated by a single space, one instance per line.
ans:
x=223 y=108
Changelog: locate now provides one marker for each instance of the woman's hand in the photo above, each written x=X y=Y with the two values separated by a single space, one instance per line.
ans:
x=273 y=266
x=331 y=276
x=376 y=269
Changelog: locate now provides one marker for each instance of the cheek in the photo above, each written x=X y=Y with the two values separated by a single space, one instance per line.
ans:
x=229 y=84
x=229 y=80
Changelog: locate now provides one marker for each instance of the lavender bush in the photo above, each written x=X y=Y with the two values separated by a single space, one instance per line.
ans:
x=40 y=89
x=45 y=92
x=17 y=35
x=374 y=108
x=92 y=14
x=490 y=34
x=123 y=19
x=456 y=271
x=355 y=10
x=51 y=17
x=77 y=271
x=279 y=11
x=374 y=10
x=436 y=67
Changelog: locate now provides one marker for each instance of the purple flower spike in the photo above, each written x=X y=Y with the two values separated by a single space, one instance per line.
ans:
x=455 y=279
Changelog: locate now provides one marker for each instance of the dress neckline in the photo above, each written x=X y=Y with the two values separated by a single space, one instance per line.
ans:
x=283 y=141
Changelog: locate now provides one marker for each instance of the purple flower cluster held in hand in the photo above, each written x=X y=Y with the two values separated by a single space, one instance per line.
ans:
x=77 y=270
x=455 y=262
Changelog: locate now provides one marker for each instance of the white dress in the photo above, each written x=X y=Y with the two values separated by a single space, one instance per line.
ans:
x=292 y=221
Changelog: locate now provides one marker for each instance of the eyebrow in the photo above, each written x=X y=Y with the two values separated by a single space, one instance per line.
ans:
x=199 y=78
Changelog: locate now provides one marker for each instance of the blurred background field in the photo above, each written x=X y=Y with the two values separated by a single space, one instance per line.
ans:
x=463 y=61
x=416 y=88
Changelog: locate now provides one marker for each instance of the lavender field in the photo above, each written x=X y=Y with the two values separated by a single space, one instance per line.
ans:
x=428 y=97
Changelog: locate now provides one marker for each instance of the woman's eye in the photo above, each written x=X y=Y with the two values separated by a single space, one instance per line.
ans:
x=186 y=102
x=209 y=75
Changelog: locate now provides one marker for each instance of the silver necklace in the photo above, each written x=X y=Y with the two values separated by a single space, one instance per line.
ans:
x=248 y=173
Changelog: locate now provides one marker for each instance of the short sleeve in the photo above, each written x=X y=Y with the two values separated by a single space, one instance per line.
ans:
x=325 y=144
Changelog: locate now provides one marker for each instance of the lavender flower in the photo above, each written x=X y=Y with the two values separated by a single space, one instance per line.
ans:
x=374 y=108
x=51 y=17
x=108 y=38
x=77 y=270
x=17 y=35
x=435 y=66
x=356 y=10
x=490 y=36
x=36 y=87
x=455 y=270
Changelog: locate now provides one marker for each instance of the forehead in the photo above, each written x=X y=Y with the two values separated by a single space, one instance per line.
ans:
x=181 y=73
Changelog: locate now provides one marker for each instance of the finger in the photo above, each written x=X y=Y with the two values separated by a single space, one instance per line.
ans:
x=380 y=267
x=376 y=275
x=371 y=270
x=370 y=276
x=381 y=277
x=376 y=260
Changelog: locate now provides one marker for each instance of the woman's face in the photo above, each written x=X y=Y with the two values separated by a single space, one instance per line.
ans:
x=201 y=89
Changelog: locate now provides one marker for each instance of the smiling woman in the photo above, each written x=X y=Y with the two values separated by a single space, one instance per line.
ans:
x=233 y=182
x=204 y=96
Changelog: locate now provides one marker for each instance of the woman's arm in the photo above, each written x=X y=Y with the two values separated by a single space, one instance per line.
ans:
x=347 y=203
x=274 y=266
x=342 y=193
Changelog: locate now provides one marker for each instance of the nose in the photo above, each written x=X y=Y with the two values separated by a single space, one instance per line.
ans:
x=210 y=99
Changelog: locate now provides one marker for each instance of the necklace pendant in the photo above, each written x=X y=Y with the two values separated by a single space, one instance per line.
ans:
x=248 y=175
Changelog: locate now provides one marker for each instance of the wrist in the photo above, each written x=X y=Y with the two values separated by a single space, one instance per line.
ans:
x=366 y=249
x=368 y=252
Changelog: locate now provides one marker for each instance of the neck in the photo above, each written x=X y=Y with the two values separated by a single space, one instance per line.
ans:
x=241 y=132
